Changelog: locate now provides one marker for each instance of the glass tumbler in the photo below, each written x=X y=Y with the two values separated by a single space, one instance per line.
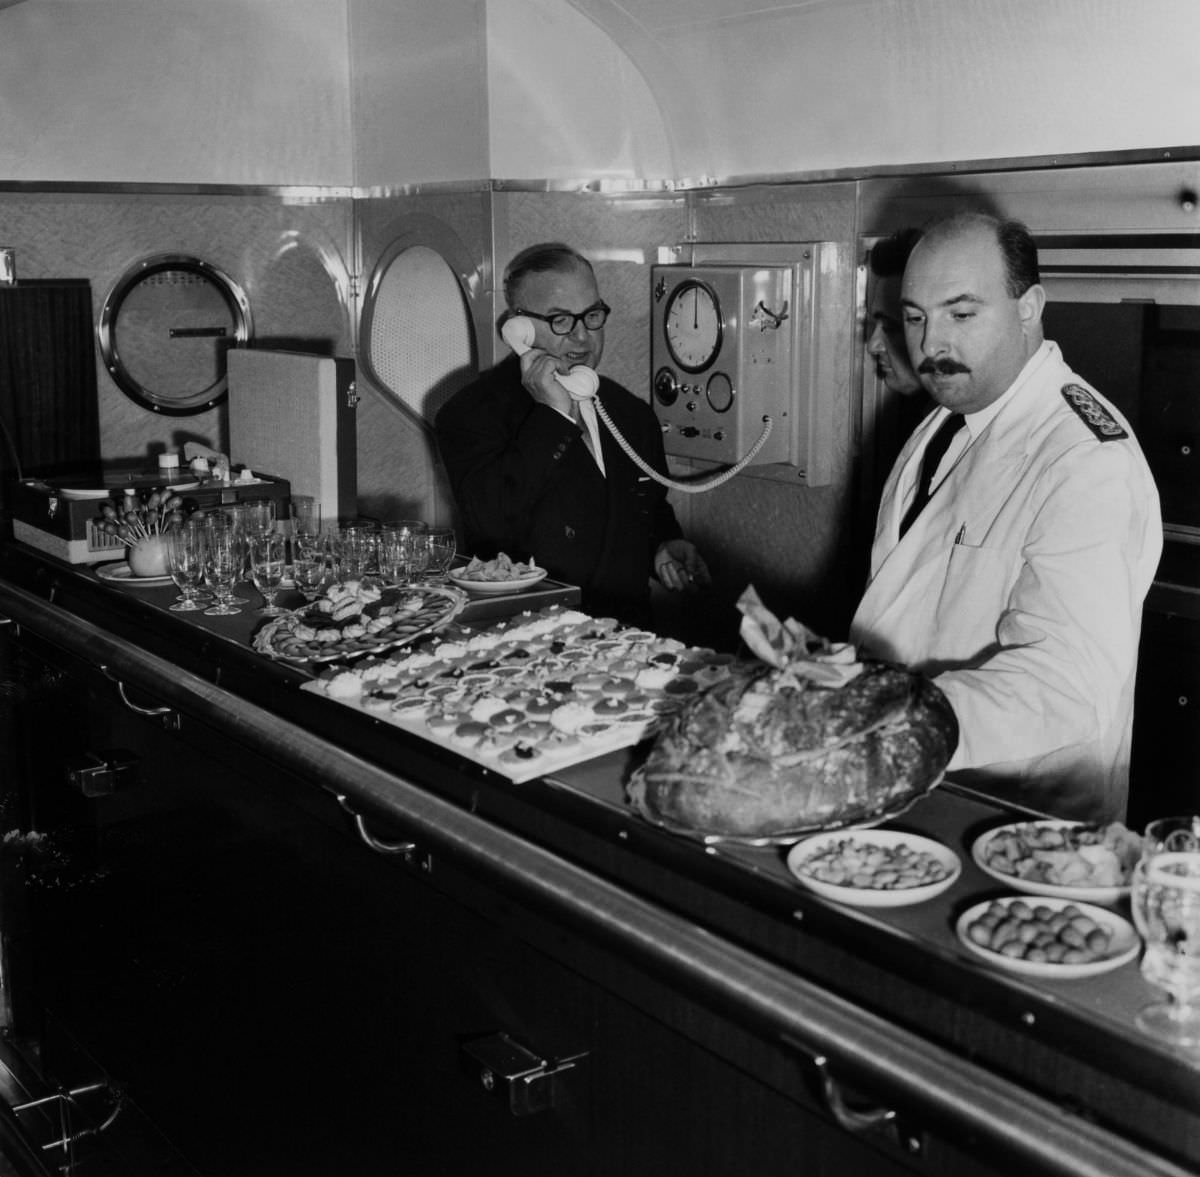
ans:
x=441 y=546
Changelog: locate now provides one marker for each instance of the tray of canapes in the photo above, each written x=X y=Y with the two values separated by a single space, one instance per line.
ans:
x=355 y=618
x=530 y=695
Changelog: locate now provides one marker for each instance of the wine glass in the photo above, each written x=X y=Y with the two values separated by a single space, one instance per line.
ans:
x=224 y=559
x=306 y=517
x=358 y=551
x=1180 y=833
x=1165 y=898
x=403 y=551
x=310 y=567
x=258 y=516
x=266 y=568
x=441 y=545
x=185 y=562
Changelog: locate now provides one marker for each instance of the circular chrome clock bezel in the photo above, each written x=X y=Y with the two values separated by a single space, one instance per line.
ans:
x=719 y=392
x=694 y=349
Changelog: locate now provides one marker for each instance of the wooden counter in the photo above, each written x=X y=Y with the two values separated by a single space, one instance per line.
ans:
x=734 y=1020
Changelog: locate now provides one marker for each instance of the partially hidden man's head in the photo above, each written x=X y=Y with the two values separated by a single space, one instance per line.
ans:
x=555 y=286
x=972 y=304
x=885 y=324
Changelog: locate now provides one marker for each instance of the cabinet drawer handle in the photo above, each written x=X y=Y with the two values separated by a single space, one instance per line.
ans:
x=851 y=1119
x=405 y=849
x=168 y=715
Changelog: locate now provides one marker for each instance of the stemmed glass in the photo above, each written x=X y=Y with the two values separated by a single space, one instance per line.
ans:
x=310 y=566
x=266 y=568
x=258 y=516
x=185 y=562
x=224 y=559
x=441 y=545
x=403 y=551
x=1165 y=898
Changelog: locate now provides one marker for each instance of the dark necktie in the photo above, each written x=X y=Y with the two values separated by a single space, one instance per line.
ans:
x=935 y=451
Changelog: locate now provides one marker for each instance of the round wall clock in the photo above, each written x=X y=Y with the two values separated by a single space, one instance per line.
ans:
x=164 y=331
x=693 y=325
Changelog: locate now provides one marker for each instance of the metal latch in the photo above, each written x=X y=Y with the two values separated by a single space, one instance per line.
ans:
x=529 y=1081
x=97 y=774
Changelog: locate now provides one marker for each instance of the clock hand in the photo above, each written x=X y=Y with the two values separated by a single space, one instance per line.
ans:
x=696 y=308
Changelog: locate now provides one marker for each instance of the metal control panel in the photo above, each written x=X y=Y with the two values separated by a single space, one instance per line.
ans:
x=727 y=354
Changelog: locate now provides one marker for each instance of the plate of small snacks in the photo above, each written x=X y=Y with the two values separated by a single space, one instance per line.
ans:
x=1050 y=938
x=354 y=618
x=501 y=575
x=874 y=868
x=1071 y=860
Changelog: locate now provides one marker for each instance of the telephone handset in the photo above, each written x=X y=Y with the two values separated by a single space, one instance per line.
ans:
x=583 y=384
x=581 y=381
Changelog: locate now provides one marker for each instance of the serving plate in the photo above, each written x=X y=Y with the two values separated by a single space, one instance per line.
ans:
x=495 y=587
x=1123 y=946
x=859 y=821
x=417 y=611
x=805 y=851
x=121 y=573
x=1081 y=893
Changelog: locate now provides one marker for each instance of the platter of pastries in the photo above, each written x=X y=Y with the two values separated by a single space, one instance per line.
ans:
x=354 y=619
x=536 y=693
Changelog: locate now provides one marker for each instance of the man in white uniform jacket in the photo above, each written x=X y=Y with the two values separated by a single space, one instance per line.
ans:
x=1019 y=586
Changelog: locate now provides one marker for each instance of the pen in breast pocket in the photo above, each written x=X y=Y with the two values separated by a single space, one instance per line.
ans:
x=962 y=534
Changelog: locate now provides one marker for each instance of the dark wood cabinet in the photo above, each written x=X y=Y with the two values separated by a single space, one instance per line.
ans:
x=293 y=937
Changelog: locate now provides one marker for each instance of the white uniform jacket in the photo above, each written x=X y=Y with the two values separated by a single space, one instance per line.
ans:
x=1020 y=587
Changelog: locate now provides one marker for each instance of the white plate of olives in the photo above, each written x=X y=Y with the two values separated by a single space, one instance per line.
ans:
x=1056 y=939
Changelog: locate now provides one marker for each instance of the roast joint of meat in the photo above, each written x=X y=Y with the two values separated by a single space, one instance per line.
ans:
x=805 y=735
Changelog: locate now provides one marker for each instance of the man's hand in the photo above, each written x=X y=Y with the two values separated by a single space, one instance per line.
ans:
x=679 y=566
x=538 y=370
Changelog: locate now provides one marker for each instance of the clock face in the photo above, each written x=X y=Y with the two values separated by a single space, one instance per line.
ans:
x=693 y=325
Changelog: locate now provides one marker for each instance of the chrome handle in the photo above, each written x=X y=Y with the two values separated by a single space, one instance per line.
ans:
x=405 y=849
x=168 y=715
x=853 y=1120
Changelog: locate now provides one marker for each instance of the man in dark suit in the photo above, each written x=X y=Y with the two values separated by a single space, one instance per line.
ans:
x=534 y=477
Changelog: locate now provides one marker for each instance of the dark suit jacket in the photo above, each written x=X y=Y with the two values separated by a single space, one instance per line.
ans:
x=526 y=485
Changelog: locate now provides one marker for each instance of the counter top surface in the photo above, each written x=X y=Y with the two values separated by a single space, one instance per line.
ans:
x=904 y=962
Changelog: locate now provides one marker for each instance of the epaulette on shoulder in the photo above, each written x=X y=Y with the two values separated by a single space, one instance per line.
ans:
x=1093 y=414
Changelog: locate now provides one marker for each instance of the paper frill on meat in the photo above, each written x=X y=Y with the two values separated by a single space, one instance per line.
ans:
x=790 y=646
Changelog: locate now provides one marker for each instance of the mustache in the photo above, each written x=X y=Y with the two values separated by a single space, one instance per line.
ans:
x=943 y=367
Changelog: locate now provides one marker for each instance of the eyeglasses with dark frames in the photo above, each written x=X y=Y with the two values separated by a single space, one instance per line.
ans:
x=563 y=324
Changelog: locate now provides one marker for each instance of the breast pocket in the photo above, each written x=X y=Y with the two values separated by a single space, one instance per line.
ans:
x=973 y=596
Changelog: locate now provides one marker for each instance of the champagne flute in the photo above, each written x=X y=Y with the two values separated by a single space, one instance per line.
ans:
x=441 y=545
x=224 y=557
x=1165 y=899
x=266 y=569
x=185 y=562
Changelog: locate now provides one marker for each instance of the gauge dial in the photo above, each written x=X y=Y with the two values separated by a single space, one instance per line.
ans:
x=693 y=325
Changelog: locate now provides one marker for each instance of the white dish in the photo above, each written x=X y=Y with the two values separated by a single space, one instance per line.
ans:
x=1082 y=894
x=81 y=493
x=874 y=896
x=1124 y=945
x=121 y=573
x=496 y=587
